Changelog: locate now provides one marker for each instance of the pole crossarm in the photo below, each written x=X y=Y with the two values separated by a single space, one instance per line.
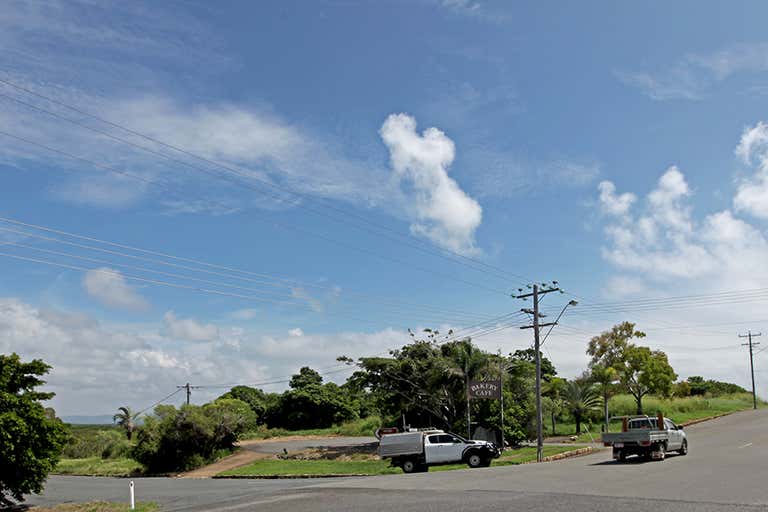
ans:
x=540 y=325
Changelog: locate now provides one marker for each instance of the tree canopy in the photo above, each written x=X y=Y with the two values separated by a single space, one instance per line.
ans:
x=31 y=439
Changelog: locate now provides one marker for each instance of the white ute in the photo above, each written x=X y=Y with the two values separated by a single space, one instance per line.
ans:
x=416 y=451
x=650 y=438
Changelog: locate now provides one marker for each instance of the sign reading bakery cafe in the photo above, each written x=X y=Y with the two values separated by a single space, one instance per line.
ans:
x=484 y=389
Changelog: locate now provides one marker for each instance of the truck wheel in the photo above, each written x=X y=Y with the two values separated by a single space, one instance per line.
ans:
x=662 y=452
x=409 y=466
x=684 y=448
x=475 y=460
x=622 y=456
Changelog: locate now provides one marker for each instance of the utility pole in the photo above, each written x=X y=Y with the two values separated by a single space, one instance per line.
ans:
x=751 y=345
x=536 y=348
x=189 y=389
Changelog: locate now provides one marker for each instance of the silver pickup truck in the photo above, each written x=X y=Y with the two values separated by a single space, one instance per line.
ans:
x=650 y=438
x=416 y=451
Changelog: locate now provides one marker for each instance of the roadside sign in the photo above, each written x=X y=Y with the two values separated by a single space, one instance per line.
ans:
x=382 y=431
x=490 y=389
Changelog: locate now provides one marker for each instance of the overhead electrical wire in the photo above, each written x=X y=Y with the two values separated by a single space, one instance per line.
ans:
x=281 y=224
x=454 y=256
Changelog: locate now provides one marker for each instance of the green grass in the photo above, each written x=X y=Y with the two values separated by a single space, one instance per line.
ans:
x=99 y=506
x=679 y=410
x=362 y=427
x=96 y=466
x=281 y=467
x=295 y=467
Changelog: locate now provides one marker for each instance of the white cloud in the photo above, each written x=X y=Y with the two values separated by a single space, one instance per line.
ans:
x=610 y=203
x=188 y=329
x=296 y=332
x=663 y=243
x=694 y=75
x=109 y=287
x=752 y=193
x=444 y=213
x=141 y=366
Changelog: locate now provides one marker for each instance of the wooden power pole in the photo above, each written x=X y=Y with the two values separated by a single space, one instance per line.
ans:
x=537 y=350
x=751 y=345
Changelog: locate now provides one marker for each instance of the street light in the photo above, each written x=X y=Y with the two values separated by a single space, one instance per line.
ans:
x=570 y=303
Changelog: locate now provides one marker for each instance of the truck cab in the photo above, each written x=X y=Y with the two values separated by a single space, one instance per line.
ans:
x=415 y=451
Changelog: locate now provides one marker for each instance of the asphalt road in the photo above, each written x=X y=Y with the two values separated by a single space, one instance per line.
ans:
x=724 y=471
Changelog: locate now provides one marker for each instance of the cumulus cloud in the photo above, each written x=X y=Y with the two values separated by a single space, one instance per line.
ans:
x=296 y=332
x=444 y=213
x=752 y=193
x=663 y=240
x=109 y=287
x=612 y=204
x=140 y=364
x=188 y=329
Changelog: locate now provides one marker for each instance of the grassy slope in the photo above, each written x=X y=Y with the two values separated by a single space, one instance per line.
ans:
x=96 y=466
x=98 y=506
x=680 y=410
x=282 y=467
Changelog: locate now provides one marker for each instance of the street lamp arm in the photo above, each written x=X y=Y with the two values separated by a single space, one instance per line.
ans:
x=570 y=303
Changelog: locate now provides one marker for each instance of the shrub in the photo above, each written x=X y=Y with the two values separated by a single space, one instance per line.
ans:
x=189 y=437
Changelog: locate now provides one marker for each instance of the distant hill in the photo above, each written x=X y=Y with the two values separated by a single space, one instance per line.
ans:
x=103 y=419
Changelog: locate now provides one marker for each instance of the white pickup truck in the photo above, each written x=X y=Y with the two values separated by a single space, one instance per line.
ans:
x=650 y=438
x=416 y=451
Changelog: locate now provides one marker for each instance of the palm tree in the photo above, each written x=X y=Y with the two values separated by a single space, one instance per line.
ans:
x=125 y=418
x=605 y=377
x=580 y=397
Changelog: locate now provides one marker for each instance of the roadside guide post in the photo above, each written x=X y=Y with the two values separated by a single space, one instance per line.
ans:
x=133 y=503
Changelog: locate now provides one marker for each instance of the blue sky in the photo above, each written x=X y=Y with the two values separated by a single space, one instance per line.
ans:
x=617 y=149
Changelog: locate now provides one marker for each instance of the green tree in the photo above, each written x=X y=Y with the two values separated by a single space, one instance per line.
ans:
x=580 y=397
x=553 y=391
x=31 y=440
x=605 y=377
x=547 y=368
x=609 y=348
x=255 y=398
x=125 y=419
x=646 y=371
x=305 y=378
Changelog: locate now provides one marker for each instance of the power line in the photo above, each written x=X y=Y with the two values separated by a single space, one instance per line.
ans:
x=281 y=224
x=477 y=265
x=239 y=273
x=269 y=295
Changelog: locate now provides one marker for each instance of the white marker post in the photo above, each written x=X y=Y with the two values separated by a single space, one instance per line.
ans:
x=133 y=503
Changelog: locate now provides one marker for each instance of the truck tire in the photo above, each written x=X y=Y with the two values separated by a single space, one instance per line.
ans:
x=475 y=460
x=684 y=448
x=662 y=451
x=622 y=456
x=409 y=466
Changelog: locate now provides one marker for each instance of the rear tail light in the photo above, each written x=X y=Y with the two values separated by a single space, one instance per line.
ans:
x=645 y=443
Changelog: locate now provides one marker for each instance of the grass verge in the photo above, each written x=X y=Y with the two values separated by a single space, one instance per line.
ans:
x=96 y=466
x=362 y=427
x=266 y=468
x=679 y=410
x=98 y=506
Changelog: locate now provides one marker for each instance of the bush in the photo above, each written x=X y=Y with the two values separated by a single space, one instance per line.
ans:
x=312 y=406
x=105 y=442
x=189 y=437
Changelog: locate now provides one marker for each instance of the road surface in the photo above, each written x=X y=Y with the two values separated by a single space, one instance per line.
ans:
x=724 y=471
